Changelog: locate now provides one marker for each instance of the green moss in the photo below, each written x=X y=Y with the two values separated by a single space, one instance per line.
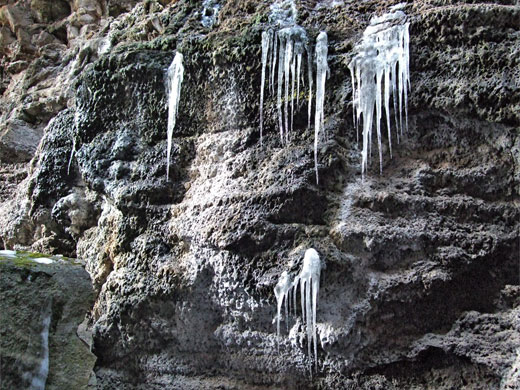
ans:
x=26 y=259
x=18 y=261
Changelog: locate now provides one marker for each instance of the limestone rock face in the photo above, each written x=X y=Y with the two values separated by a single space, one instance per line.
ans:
x=420 y=285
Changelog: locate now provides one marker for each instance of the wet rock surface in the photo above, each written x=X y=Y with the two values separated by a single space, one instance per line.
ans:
x=420 y=285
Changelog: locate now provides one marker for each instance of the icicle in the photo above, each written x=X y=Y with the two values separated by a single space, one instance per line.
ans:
x=72 y=152
x=321 y=74
x=174 y=80
x=293 y=76
x=280 y=291
x=387 y=105
x=266 y=38
x=406 y=68
x=298 y=50
x=294 y=288
x=379 y=77
x=393 y=76
x=287 y=65
x=354 y=103
x=273 y=60
x=382 y=58
x=281 y=60
x=309 y=75
x=287 y=302
x=38 y=381
x=309 y=279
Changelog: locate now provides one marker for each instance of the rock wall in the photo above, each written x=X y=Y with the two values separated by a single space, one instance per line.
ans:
x=421 y=285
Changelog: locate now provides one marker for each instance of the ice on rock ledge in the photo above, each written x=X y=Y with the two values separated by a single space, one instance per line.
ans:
x=174 y=79
x=379 y=69
x=44 y=260
x=7 y=253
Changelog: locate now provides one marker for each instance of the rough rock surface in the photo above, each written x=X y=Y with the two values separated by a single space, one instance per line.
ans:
x=29 y=293
x=421 y=281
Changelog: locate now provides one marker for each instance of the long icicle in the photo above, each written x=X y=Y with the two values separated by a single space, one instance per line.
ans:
x=309 y=278
x=287 y=66
x=309 y=75
x=174 y=81
x=298 y=71
x=387 y=106
x=273 y=62
x=380 y=69
x=379 y=77
x=406 y=72
x=266 y=38
x=321 y=75
x=293 y=76
x=281 y=58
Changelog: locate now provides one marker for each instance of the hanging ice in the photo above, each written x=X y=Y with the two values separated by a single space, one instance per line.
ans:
x=286 y=47
x=380 y=69
x=281 y=292
x=173 y=91
x=321 y=74
x=38 y=380
x=309 y=282
x=309 y=279
x=76 y=128
x=266 y=40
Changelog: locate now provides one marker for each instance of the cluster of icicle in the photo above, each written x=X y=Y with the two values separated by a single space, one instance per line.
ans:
x=174 y=79
x=309 y=282
x=284 y=50
x=380 y=69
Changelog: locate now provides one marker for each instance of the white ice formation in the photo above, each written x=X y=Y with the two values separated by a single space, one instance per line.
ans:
x=309 y=282
x=309 y=279
x=285 y=48
x=173 y=90
x=380 y=69
x=76 y=129
x=321 y=74
x=38 y=380
x=43 y=260
x=281 y=292
x=7 y=253
x=283 y=51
